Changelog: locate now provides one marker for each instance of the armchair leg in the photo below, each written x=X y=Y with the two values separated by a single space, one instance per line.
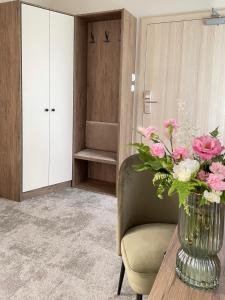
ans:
x=122 y=271
x=139 y=297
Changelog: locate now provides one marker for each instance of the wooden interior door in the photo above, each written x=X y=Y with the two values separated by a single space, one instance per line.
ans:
x=35 y=97
x=184 y=64
x=61 y=97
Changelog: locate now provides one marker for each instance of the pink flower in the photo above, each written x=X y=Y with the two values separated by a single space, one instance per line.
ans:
x=158 y=150
x=207 y=147
x=203 y=176
x=215 y=183
x=218 y=169
x=180 y=153
x=171 y=125
x=148 y=132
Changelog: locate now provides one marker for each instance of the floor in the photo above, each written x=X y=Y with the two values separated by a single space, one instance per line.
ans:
x=60 y=246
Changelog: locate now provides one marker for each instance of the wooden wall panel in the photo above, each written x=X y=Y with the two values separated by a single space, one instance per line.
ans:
x=163 y=56
x=203 y=67
x=80 y=172
x=102 y=172
x=128 y=53
x=80 y=93
x=102 y=136
x=184 y=67
x=80 y=97
x=103 y=71
x=10 y=101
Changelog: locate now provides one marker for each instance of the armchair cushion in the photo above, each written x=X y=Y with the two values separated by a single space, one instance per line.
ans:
x=143 y=249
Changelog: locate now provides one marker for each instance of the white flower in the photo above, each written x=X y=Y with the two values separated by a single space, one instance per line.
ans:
x=185 y=169
x=213 y=197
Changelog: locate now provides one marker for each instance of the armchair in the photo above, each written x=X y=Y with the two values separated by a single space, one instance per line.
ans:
x=145 y=227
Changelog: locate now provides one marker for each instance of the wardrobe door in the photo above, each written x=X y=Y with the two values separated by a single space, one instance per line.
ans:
x=61 y=97
x=35 y=91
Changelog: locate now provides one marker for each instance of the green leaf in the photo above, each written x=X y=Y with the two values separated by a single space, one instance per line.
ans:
x=163 y=181
x=173 y=188
x=184 y=189
x=187 y=209
x=167 y=165
x=140 y=146
x=159 y=176
x=144 y=156
x=134 y=145
x=200 y=183
x=156 y=165
x=155 y=140
x=203 y=201
x=160 y=191
x=215 y=132
x=141 y=167
x=222 y=198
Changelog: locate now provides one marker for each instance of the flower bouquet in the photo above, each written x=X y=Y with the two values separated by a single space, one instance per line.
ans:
x=197 y=176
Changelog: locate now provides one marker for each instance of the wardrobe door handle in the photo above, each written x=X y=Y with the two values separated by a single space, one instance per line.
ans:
x=53 y=109
x=46 y=109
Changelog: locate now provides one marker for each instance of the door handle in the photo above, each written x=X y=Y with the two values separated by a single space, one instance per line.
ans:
x=148 y=96
x=53 y=109
x=46 y=109
x=149 y=100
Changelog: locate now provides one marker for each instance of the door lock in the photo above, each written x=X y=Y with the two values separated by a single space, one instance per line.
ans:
x=148 y=101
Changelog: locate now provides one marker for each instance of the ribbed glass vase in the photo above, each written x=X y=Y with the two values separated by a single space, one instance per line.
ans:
x=201 y=237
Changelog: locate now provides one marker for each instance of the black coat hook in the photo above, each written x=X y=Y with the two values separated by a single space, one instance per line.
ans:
x=106 y=37
x=92 y=38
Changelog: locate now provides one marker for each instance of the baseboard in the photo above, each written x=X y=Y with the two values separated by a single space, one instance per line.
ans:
x=46 y=190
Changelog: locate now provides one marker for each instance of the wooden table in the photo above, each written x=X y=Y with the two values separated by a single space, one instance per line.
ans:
x=168 y=287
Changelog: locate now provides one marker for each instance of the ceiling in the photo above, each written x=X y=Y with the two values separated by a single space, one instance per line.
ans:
x=137 y=7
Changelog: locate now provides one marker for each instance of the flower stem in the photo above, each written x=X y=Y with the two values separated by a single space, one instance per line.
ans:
x=171 y=143
x=165 y=147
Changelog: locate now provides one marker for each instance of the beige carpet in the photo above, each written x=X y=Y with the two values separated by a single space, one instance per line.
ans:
x=60 y=246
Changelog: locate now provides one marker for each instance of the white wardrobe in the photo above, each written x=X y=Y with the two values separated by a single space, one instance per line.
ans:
x=41 y=147
x=47 y=97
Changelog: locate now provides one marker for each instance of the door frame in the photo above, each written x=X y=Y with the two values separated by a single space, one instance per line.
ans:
x=142 y=44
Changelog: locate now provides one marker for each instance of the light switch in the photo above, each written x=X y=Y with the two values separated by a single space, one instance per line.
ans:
x=133 y=79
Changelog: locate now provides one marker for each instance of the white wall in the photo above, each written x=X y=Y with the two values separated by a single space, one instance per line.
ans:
x=45 y=3
x=137 y=7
